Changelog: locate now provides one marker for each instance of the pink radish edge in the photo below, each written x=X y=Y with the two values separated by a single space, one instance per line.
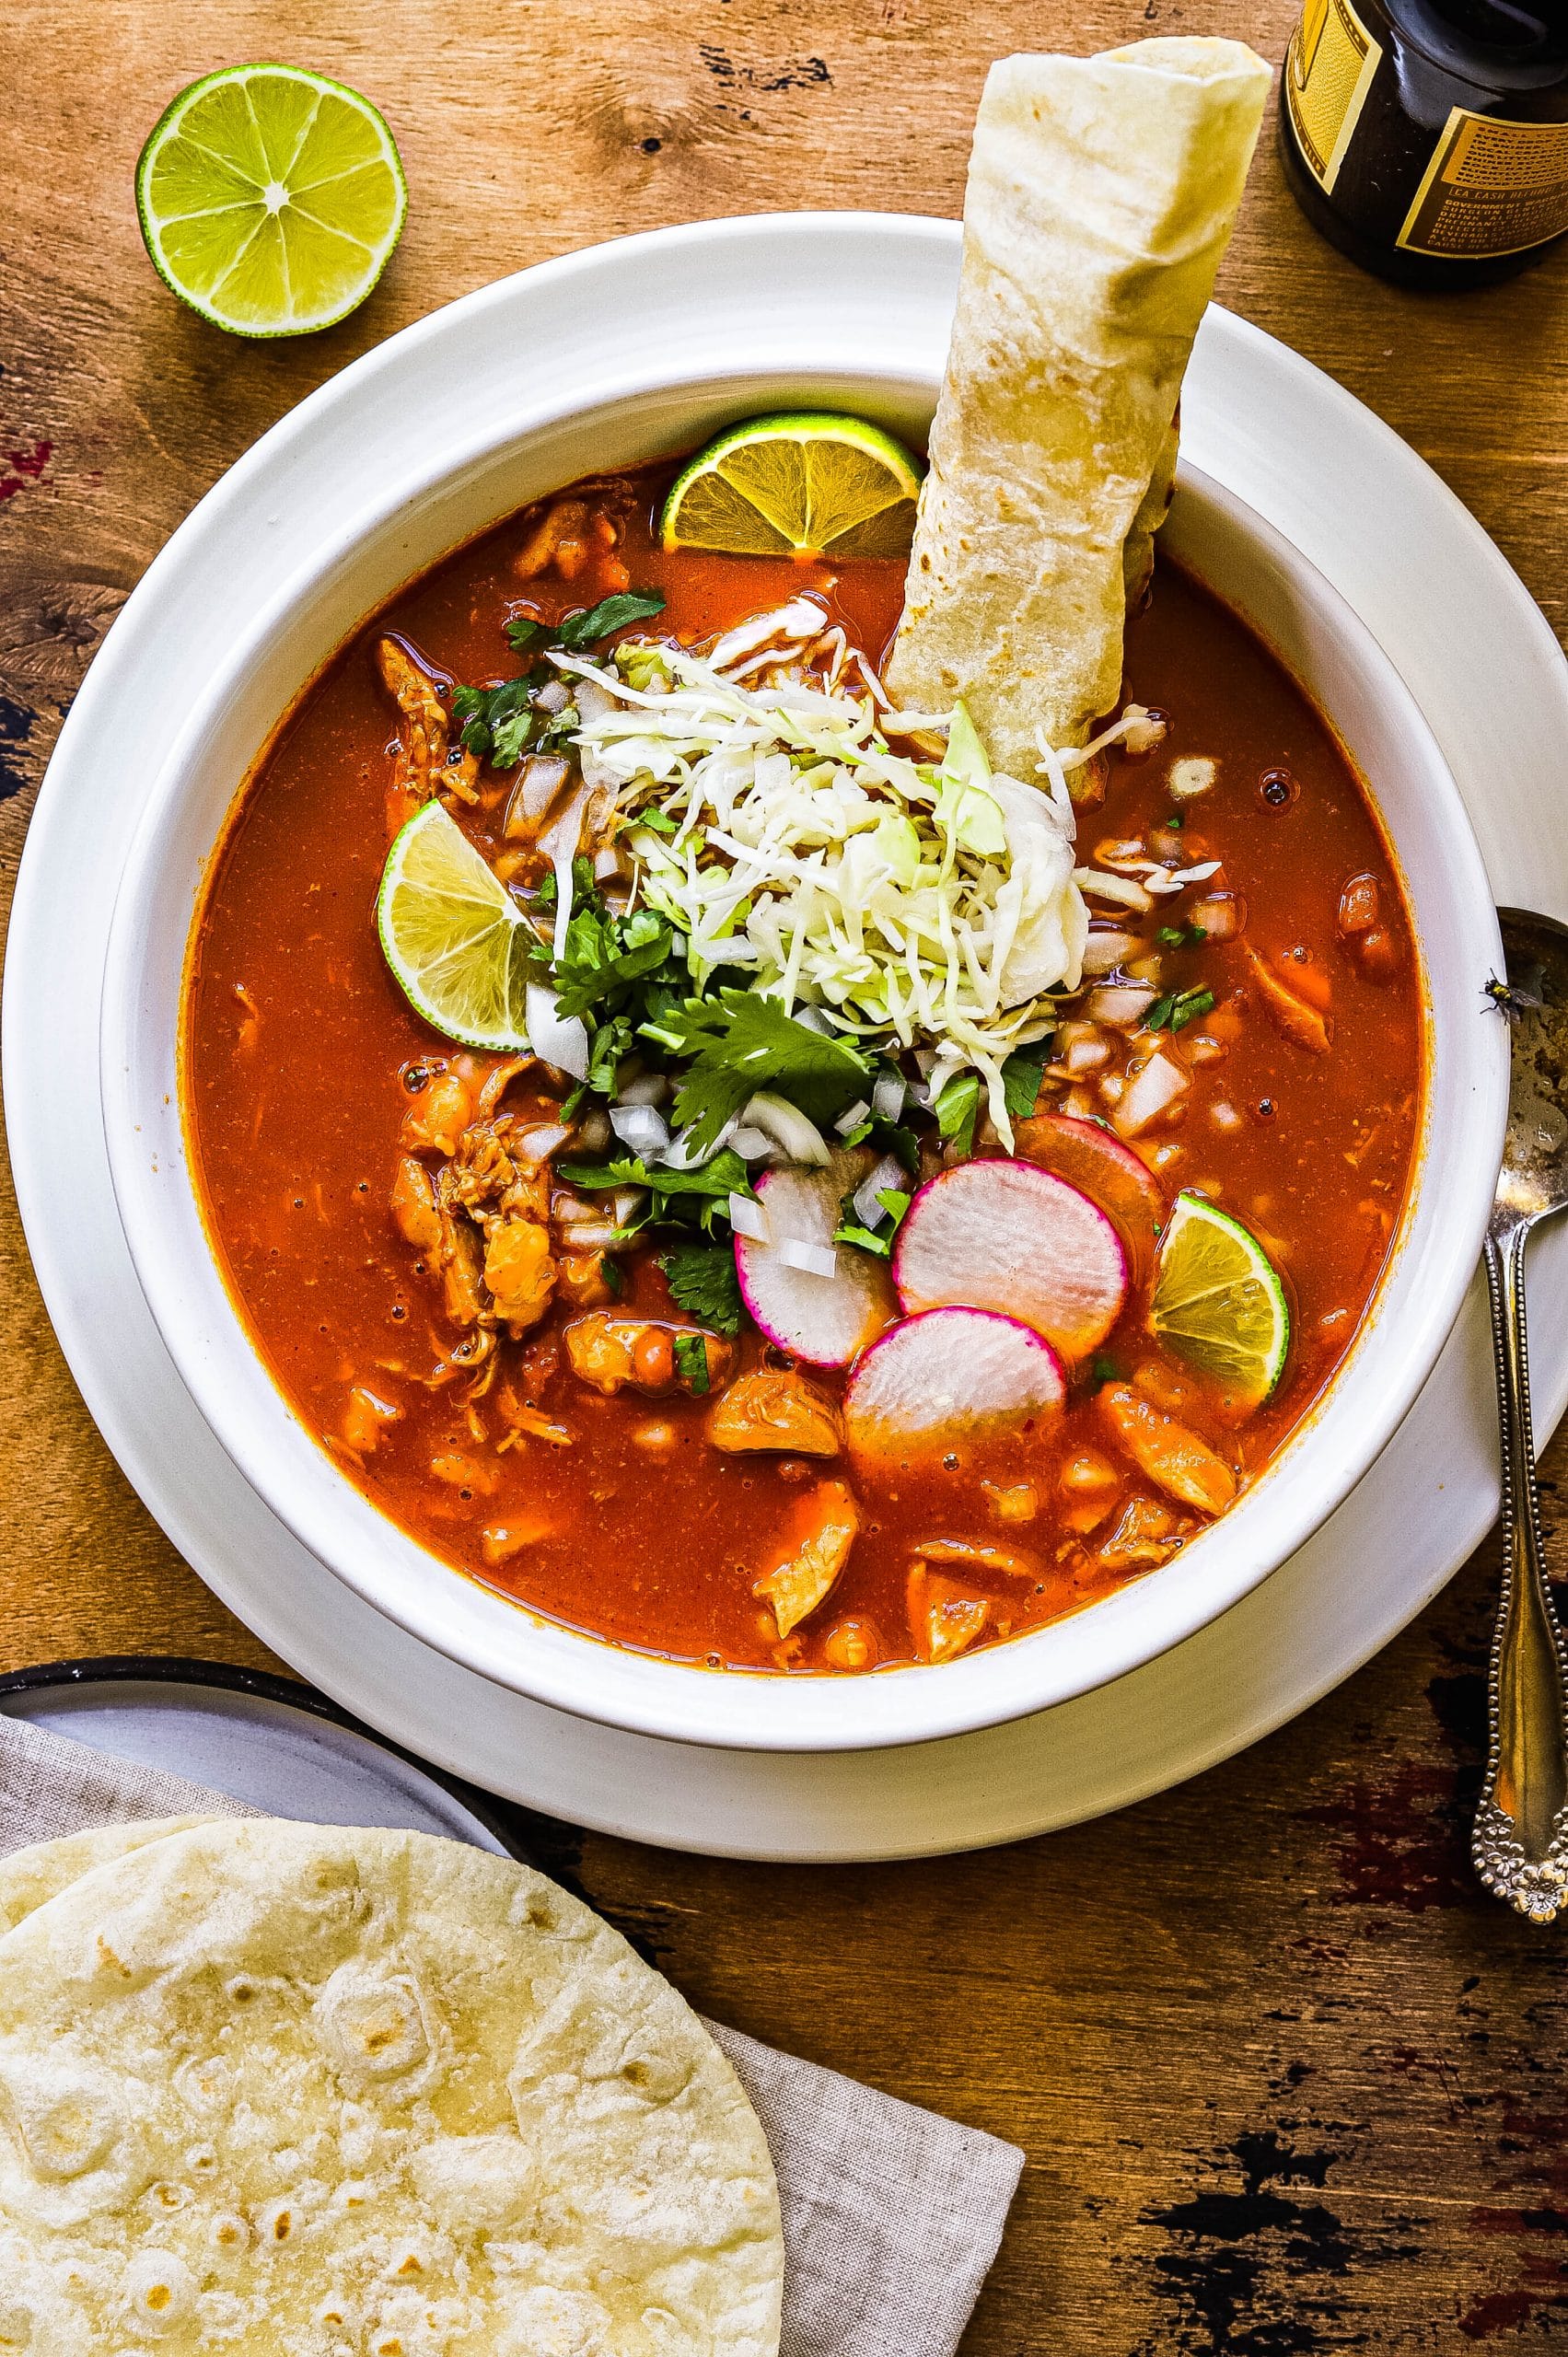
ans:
x=1011 y=1237
x=822 y=1321
x=948 y=1376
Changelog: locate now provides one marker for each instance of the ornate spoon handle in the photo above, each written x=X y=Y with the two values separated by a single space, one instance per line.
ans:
x=1520 y=1842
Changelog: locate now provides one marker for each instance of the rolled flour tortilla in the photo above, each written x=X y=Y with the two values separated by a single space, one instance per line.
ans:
x=1102 y=195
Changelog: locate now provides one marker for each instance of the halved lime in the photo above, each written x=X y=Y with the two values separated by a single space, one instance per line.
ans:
x=803 y=482
x=270 y=199
x=453 y=936
x=1219 y=1302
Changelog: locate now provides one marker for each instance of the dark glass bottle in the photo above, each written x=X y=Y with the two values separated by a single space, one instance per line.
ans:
x=1428 y=139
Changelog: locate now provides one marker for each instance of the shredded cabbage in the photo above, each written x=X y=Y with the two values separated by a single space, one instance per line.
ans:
x=773 y=824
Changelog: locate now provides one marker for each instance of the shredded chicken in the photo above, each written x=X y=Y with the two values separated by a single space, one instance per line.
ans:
x=425 y=763
x=806 y=1578
x=945 y=1618
x=1172 y=1457
x=1147 y=1533
x=776 y=1408
x=567 y=537
x=507 y=1200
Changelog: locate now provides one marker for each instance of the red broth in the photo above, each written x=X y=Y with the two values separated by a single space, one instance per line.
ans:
x=614 y=1513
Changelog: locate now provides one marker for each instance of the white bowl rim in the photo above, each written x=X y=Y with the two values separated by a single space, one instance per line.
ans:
x=676 y=1700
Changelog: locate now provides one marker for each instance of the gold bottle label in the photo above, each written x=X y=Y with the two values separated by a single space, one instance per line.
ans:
x=1491 y=187
x=1329 y=67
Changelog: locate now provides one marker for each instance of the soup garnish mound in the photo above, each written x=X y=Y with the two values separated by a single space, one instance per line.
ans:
x=776 y=1191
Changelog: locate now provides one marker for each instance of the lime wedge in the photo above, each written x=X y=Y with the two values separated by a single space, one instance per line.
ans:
x=1219 y=1302
x=801 y=482
x=453 y=936
x=270 y=199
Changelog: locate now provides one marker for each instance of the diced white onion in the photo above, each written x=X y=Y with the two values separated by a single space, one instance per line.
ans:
x=553 y=698
x=593 y=702
x=1113 y=1088
x=887 y=1095
x=853 y=1117
x=1122 y=1004
x=625 y=1204
x=752 y=1146
x=1226 y=1117
x=1088 y=1055
x=562 y=1040
x=589 y=1235
x=1148 y=1093
x=747 y=1218
x=814 y=1259
x=800 y=1140
x=1195 y=775
x=889 y=1172
x=648 y=1089
x=811 y=1018
x=607 y=863
x=539 y=1143
x=641 y=1128
x=594 y=1130
x=683 y=1155
x=1220 y=917
x=1104 y=950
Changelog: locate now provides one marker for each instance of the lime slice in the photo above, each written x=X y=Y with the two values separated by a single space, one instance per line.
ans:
x=270 y=199
x=1218 y=1302
x=801 y=482
x=453 y=936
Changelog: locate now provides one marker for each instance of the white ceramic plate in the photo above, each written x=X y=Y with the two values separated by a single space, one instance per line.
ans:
x=866 y=296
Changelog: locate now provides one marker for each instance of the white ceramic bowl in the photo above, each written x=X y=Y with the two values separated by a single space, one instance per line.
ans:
x=407 y=527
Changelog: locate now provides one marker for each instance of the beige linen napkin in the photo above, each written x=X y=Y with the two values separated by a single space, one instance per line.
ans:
x=891 y=2215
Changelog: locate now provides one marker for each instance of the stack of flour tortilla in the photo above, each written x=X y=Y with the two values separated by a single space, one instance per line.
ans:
x=348 y=2093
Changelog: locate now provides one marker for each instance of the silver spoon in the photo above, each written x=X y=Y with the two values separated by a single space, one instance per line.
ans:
x=1520 y=1840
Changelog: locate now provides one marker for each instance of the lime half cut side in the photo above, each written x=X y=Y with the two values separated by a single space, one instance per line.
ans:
x=270 y=199
x=806 y=481
x=1219 y=1302
x=453 y=936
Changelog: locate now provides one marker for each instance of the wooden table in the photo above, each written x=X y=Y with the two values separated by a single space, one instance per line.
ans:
x=1285 y=2080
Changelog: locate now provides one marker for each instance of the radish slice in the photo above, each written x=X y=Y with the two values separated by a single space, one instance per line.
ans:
x=1008 y=1236
x=1110 y=1173
x=948 y=1378
x=820 y=1318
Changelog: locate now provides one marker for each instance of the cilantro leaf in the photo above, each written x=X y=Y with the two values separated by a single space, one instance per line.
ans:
x=956 y=1109
x=704 y=1193
x=703 y=1280
x=497 y=722
x=1021 y=1077
x=610 y=614
x=602 y=953
x=525 y=630
x=894 y=1203
x=740 y=1043
x=1189 y=1006
x=691 y=1363
x=849 y=1232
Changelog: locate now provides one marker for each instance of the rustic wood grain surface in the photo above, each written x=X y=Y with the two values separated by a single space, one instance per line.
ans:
x=1286 y=2081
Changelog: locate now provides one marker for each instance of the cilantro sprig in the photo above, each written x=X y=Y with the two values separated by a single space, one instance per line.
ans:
x=739 y=1043
x=501 y=722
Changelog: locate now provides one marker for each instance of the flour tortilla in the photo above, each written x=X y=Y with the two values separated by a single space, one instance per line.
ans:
x=320 y=2092
x=31 y=1877
x=1102 y=195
